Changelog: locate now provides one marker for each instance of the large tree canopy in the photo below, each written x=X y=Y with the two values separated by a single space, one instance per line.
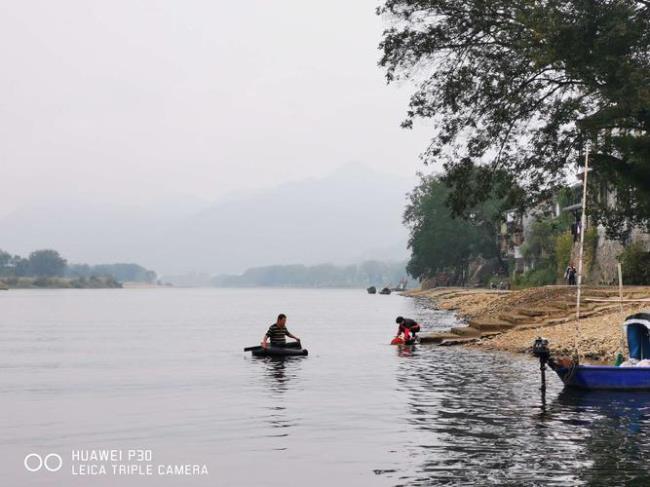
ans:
x=46 y=263
x=438 y=241
x=521 y=85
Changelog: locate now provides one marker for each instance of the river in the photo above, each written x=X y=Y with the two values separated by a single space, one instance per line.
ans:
x=163 y=371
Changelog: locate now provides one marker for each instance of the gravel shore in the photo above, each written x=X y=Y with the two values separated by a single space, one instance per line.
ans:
x=599 y=335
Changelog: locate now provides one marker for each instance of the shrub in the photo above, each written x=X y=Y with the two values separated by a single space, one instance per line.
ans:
x=563 y=251
x=635 y=261
x=536 y=277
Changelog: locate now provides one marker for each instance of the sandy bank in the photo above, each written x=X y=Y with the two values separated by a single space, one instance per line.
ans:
x=511 y=320
x=142 y=285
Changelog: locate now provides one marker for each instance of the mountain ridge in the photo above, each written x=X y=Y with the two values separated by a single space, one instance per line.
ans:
x=352 y=214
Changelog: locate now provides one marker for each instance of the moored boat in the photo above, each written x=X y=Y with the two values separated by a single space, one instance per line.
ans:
x=634 y=374
x=631 y=375
x=372 y=290
x=598 y=377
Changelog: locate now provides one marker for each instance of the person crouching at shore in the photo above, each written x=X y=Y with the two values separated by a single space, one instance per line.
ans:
x=278 y=332
x=407 y=327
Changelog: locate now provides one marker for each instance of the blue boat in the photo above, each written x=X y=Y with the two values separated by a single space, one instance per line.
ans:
x=594 y=377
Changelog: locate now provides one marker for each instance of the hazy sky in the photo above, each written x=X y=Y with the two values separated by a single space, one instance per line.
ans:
x=141 y=100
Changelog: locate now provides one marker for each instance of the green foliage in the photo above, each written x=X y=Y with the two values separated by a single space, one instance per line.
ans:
x=563 y=249
x=635 y=262
x=12 y=265
x=5 y=259
x=46 y=263
x=540 y=242
x=543 y=276
x=94 y=282
x=47 y=266
x=549 y=247
x=41 y=263
x=516 y=89
x=540 y=251
x=119 y=272
x=60 y=283
x=440 y=242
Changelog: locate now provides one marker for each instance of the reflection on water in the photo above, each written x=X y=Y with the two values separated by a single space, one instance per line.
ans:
x=617 y=445
x=483 y=421
x=151 y=369
x=406 y=350
x=275 y=369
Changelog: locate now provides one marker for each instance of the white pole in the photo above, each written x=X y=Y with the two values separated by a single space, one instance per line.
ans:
x=583 y=225
x=620 y=285
x=620 y=298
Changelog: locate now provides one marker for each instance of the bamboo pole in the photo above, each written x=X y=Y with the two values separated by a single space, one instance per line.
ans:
x=603 y=300
x=583 y=225
x=620 y=298
x=620 y=284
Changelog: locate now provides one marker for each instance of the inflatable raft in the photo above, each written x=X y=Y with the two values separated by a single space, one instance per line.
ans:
x=289 y=350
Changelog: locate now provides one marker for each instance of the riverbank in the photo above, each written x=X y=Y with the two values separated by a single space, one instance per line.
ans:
x=511 y=320
x=144 y=285
x=59 y=283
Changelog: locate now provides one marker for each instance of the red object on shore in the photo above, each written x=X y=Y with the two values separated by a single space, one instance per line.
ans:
x=397 y=341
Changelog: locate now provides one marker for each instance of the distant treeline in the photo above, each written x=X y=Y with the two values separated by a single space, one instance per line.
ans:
x=49 y=264
x=370 y=273
x=120 y=272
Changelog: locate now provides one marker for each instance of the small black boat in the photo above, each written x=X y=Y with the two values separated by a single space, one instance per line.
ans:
x=372 y=290
x=293 y=349
x=386 y=290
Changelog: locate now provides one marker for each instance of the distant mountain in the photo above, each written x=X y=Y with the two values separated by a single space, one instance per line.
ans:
x=337 y=219
x=351 y=215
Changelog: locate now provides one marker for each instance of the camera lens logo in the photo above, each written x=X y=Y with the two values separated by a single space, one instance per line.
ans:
x=51 y=462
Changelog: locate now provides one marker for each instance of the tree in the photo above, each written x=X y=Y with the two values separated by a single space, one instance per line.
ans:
x=5 y=261
x=635 y=260
x=519 y=87
x=20 y=266
x=440 y=242
x=124 y=272
x=46 y=263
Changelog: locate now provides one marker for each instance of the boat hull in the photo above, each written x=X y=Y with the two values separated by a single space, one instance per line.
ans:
x=594 y=377
x=289 y=350
x=280 y=352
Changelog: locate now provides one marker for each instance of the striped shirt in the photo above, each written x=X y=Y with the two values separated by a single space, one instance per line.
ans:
x=277 y=334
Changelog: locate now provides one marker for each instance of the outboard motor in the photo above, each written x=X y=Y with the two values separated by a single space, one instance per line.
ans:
x=542 y=352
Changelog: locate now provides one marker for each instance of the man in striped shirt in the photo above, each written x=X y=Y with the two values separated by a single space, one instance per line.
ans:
x=278 y=332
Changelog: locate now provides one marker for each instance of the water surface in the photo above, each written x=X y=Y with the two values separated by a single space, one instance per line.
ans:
x=163 y=369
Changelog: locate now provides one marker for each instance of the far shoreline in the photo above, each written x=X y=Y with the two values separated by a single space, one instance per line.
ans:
x=14 y=283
